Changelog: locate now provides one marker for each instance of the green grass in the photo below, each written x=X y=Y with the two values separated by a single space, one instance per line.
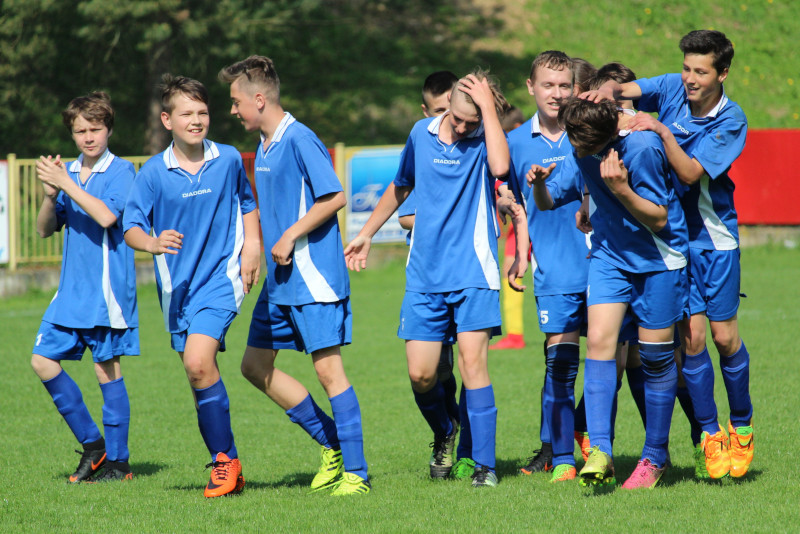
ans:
x=279 y=459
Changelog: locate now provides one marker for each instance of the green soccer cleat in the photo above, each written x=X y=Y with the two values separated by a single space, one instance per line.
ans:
x=351 y=484
x=330 y=469
x=598 y=471
x=442 y=454
x=563 y=473
x=484 y=478
x=700 y=471
x=463 y=469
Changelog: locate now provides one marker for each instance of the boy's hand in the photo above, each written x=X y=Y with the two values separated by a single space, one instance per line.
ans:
x=644 y=121
x=283 y=249
x=52 y=174
x=614 y=173
x=356 y=252
x=597 y=95
x=507 y=207
x=516 y=272
x=538 y=174
x=478 y=90
x=582 y=219
x=168 y=242
x=251 y=266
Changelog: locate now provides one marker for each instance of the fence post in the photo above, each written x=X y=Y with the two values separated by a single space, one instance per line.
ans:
x=13 y=211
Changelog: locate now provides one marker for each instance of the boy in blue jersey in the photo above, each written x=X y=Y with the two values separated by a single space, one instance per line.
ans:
x=703 y=133
x=192 y=208
x=639 y=251
x=305 y=303
x=95 y=305
x=451 y=162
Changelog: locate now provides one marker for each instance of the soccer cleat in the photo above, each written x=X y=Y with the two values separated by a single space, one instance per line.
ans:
x=464 y=468
x=484 y=478
x=92 y=459
x=741 y=449
x=598 y=470
x=582 y=438
x=646 y=475
x=330 y=469
x=715 y=450
x=351 y=484
x=563 y=473
x=442 y=454
x=226 y=477
x=113 y=471
x=511 y=341
x=540 y=462
x=700 y=471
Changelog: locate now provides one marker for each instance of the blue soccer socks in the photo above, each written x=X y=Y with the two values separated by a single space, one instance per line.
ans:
x=432 y=406
x=482 y=414
x=464 y=449
x=661 y=384
x=116 y=419
x=698 y=373
x=599 y=390
x=315 y=422
x=69 y=402
x=214 y=420
x=636 y=385
x=347 y=417
x=736 y=374
x=685 y=401
x=558 y=399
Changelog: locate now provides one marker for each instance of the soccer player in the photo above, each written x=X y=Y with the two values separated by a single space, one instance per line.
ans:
x=192 y=208
x=703 y=133
x=451 y=161
x=95 y=305
x=304 y=304
x=560 y=258
x=639 y=251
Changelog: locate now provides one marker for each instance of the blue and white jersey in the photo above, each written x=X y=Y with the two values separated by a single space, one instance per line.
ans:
x=618 y=237
x=98 y=277
x=454 y=240
x=715 y=140
x=560 y=250
x=291 y=174
x=205 y=207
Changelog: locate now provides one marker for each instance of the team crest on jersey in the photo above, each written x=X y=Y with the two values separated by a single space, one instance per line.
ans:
x=196 y=193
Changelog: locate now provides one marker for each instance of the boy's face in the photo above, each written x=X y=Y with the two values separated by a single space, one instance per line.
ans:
x=700 y=79
x=90 y=137
x=583 y=151
x=436 y=105
x=188 y=120
x=246 y=107
x=463 y=117
x=549 y=88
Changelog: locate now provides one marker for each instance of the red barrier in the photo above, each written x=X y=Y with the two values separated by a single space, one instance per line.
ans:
x=766 y=177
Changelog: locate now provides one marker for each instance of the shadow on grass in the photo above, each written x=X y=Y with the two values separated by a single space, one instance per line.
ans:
x=289 y=481
x=139 y=469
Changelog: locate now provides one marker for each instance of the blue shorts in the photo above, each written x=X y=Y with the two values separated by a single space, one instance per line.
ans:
x=56 y=342
x=208 y=321
x=559 y=314
x=657 y=299
x=629 y=332
x=714 y=283
x=432 y=316
x=307 y=328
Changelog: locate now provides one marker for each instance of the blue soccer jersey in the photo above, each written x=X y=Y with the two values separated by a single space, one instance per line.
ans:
x=715 y=140
x=454 y=244
x=205 y=207
x=559 y=249
x=98 y=278
x=294 y=171
x=618 y=237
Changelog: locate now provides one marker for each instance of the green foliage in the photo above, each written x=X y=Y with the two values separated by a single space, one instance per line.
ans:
x=279 y=459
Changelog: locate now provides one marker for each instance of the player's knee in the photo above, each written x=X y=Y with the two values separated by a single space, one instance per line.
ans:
x=421 y=380
x=253 y=369
x=726 y=341
x=44 y=368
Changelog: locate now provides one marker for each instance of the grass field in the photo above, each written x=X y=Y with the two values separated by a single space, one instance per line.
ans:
x=279 y=459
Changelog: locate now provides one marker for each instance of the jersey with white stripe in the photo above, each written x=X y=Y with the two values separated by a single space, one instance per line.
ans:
x=291 y=174
x=98 y=277
x=207 y=208
x=619 y=238
x=559 y=249
x=715 y=141
x=454 y=241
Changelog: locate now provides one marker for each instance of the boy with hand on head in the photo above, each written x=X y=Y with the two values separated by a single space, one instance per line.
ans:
x=192 y=208
x=95 y=305
x=452 y=159
x=703 y=133
x=304 y=304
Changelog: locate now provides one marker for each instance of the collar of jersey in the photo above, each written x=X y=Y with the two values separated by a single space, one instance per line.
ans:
x=433 y=127
x=100 y=165
x=281 y=129
x=210 y=151
x=714 y=111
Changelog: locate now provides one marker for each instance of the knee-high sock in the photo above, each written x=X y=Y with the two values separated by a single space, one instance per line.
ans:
x=432 y=406
x=736 y=374
x=69 y=402
x=685 y=401
x=599 y=387
x=315 y=422
x=580 y=416
x=465 y=436
x=614 y=411
x=347 y=416
x=558 y=400
x=698 y=373
x=483 y=421
x=636 y=383
x=448 y=381
x=661 y=384
x=116 y=419
x=214 y=420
